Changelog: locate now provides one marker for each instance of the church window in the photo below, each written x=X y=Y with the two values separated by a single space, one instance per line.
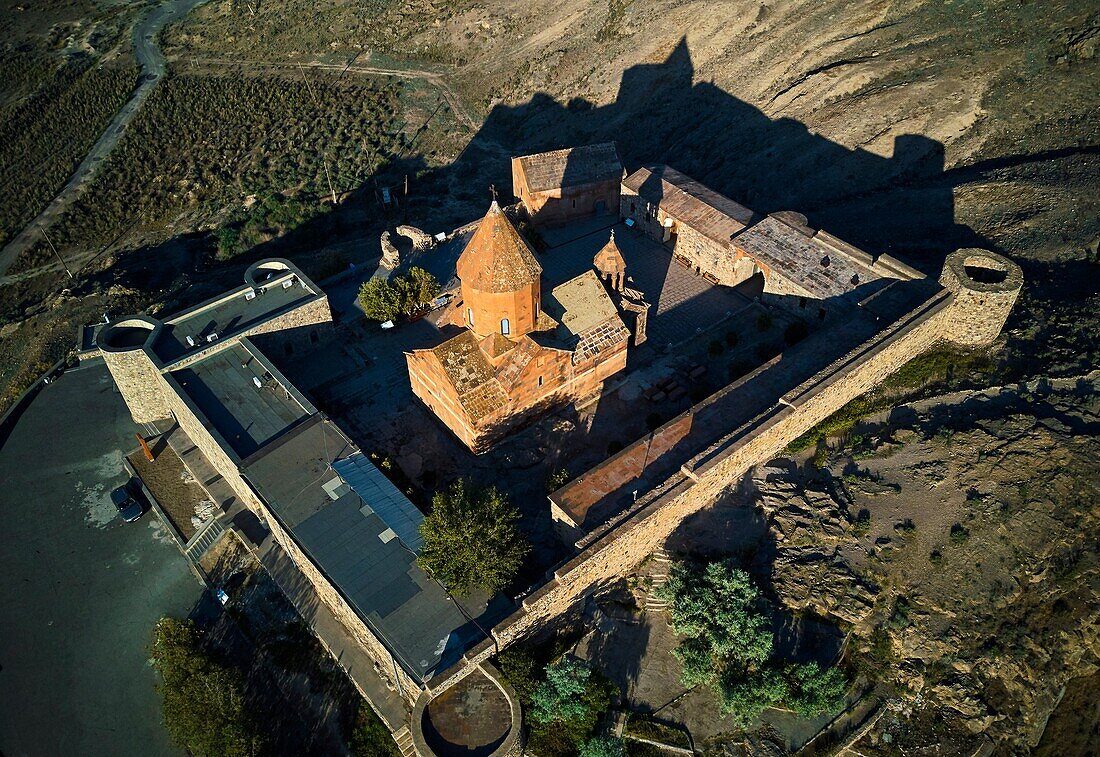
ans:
x=470 y=316
x=505 y=327
x=540 y=380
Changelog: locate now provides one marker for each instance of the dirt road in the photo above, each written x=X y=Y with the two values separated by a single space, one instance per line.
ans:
x=152 y=64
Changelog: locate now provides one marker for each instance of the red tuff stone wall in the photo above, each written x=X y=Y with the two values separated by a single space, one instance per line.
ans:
x=488 y=308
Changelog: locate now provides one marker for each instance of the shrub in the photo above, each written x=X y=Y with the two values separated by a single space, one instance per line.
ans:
x=471 y=540
x=560 y=696
x=812 y=690
x=959 y=534
x=383 y=300
x=557 y=480
x=566 y=707
x=370 y=737
x=519 y=668
x=862 y=523
x=602 y=746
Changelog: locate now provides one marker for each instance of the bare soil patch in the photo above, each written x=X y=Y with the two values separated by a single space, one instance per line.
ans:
x=174 y=488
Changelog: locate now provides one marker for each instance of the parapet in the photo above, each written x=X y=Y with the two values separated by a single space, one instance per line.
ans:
x=985 y=287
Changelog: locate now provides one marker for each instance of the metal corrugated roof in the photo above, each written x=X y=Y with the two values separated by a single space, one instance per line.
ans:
x=387 y=502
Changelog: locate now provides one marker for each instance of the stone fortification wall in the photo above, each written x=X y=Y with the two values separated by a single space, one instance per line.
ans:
x=615 y=549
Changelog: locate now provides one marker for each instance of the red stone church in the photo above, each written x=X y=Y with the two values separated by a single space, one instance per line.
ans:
x=521 y=350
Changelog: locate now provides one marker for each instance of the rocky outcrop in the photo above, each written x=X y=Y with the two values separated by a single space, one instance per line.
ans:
x=809 y=525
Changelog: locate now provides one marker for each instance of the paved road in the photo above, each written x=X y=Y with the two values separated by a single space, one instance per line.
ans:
x=81 y=590
x=152 y=69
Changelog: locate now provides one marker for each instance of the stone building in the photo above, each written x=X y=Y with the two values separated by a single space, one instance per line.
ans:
x=354 y=536
x=778 y=257
x=520 y=350
x=562 y=185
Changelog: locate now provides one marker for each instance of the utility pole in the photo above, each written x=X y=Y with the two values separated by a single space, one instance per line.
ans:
x=328 y=178
x=55 y=252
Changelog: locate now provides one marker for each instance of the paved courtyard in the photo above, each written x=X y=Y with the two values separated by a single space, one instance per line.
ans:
x=81 y=590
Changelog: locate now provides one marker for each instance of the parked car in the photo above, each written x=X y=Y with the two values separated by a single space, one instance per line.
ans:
x=129 y=500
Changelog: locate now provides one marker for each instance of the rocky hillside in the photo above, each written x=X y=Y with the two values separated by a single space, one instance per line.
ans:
x=958 y=544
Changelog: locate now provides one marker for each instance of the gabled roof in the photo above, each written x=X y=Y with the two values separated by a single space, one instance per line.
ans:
x=497 y=258
x=713 y=215
x=821 y=271
x=571 y=167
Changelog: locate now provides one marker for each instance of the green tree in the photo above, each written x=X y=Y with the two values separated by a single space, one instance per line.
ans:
x=720 y=612
x=423 y=287
x=228 y=239
x=560 y=696
x=471 y=539
x=380 y=300
x=602 y=746
x=743 y=696
x=814 y=690
x=203 y=701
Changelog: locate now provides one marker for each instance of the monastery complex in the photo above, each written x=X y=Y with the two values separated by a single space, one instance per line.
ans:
x=557 y=300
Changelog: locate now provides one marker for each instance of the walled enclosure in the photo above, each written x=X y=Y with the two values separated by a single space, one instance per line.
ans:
x=615 y=548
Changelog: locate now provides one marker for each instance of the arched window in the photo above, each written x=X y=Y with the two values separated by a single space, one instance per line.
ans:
x=469 y=317
x=505 y=327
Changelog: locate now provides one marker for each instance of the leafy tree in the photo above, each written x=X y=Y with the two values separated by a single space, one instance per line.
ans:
x=720 y=612
x=203 y=701
x=744 y=697
x=471 y=539
x=566 y=707
x=814 y=691
x=422 y=286
x=602 y=746
x=228 y=242
x=560 y=696
x=520 y=670
x=728 y=644
x=380 y=300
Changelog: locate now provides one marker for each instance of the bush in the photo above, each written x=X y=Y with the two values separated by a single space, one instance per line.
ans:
x=557 y=480
x=203 y=700
x=384 y=300
x=560 y=696
x=959 y=534
x=862 y=523
x=370 y=737
x=602 y=746
x=471 y=540
x=519 y=669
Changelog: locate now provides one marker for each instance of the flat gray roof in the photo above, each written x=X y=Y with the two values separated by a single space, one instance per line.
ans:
x=230 y=314
x=222 y=386
x=368 y=563
x=578 y=305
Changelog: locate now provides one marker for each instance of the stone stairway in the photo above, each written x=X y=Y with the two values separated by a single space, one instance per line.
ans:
x=206 y=538
x=404 y=741
x=658 y=577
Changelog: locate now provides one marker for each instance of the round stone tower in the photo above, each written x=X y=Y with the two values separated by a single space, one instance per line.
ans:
x=986 y=286
x=126 y=345
x=500 y=279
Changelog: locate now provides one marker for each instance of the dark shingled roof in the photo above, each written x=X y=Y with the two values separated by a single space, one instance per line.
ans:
x=571 y=167
x=713 y=215
x=497 y=258
x=821 y=271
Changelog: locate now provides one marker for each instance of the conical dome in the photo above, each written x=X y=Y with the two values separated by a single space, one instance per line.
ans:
x=497 y=258
x=500 y=279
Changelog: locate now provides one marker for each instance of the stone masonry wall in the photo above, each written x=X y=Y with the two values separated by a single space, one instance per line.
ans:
x=658 y=513
x=139 y=382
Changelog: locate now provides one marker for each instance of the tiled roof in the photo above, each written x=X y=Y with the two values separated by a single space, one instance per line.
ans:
x=464 y=362
x=715 y=216
x=497 y=258
x=822 y=271
x=571 y=167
